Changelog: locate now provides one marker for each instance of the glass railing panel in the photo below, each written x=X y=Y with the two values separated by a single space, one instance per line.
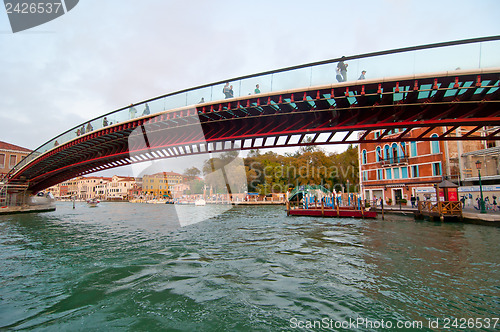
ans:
x=119 y=116
x=154 y=106
x=377 y=67
x=248 y=85
x=490 y=54
x=447 y=58
x=175 y=101
x=291 y=79
x=323 y=74
x=199 y=96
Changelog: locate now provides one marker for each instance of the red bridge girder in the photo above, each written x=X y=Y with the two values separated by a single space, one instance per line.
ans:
x=283 y=119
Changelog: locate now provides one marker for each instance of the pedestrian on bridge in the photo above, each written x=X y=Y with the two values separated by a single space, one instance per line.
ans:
x=226 y=90
x=132 y=111
x=338 y=75
x=343 y=68
x=362 y=76
x=146 y=110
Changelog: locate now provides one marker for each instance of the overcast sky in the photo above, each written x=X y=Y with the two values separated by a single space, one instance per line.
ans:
x=103 y=55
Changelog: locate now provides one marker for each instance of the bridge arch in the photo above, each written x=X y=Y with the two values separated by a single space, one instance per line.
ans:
x=303 y=105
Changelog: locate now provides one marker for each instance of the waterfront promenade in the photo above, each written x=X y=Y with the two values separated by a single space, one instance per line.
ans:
x=470 y=215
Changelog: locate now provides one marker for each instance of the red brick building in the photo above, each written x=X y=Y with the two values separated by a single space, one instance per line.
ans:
x=10 y=155
x=400 y=170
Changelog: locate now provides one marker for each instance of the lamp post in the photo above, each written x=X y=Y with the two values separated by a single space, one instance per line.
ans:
x=481 y=203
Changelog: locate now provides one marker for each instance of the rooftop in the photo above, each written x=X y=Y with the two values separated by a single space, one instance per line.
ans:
x=12 y=147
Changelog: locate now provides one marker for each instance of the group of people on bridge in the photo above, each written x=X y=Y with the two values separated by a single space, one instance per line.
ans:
x=341 y=76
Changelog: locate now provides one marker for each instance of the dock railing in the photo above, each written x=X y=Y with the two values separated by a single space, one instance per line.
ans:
x=440 y=208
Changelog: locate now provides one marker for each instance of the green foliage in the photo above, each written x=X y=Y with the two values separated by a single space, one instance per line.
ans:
x=270 y=172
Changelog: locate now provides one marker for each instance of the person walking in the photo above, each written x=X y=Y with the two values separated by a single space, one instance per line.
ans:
x=225 y=90
x=146 y=110
x=338 y=75
x=132 y=111
x=343 y=68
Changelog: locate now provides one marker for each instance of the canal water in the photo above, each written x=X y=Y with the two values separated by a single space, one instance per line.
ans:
x=124 y=266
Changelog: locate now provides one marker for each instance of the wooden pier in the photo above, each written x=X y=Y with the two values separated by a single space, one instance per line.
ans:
x=442 y=210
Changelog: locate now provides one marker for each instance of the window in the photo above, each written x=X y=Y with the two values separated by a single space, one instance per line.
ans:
x=413 y=148
x=396 y=173
x=380 y=174
x=395 y=153
x=365 y=176
x=388 y=174
x=363 y=158
x=436 y=169
x=12 y=161
x=2 y=161
x=404 y=172
x=434 y=145
x=379 y=154
x=387 y=152
x=414 y=171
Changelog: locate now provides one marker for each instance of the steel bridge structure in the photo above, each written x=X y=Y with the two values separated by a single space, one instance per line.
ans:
x=301 y=105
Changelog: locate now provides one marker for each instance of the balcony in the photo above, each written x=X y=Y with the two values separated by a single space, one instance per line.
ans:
x=403 y=160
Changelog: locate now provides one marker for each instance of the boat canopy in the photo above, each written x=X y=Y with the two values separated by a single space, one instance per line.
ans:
x=312 y=190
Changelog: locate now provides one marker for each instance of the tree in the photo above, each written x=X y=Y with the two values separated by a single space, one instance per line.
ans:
x=191 y=173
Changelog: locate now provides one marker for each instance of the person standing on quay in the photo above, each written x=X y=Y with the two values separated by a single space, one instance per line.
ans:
x=343 y=68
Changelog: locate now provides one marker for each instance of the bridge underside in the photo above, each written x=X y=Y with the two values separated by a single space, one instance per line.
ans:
x=333 y=114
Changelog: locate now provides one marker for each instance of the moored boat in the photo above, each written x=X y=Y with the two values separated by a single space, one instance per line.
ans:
x=93 y=202
x=317 y=201
x=200 y=202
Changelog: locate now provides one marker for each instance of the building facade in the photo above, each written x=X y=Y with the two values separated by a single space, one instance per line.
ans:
x=118 y=188
x=10 y=155
x=160 y=185
x=396 y=171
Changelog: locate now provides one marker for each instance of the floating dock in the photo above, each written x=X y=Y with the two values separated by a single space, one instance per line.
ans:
x=333 y=213
x=25 y=209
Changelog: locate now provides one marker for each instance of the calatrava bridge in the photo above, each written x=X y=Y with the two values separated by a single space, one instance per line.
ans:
x=452 y=84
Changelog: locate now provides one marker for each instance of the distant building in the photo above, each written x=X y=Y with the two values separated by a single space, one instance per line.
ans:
x=118 y=188
x=10 y=155
x=160 y=185
x=399 y=170
x=84 y=188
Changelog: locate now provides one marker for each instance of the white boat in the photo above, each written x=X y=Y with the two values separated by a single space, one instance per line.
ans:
x=200 y=202
x=42 y=198
x=92 y=202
